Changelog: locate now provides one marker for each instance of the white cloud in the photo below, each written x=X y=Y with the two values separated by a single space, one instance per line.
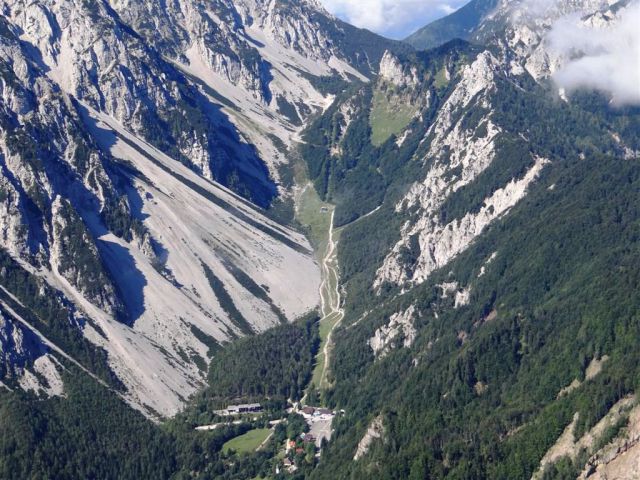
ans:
x=605 y=59
x=446 y=8
x=395 y=18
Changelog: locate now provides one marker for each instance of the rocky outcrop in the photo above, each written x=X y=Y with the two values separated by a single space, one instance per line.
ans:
x=75 y=257
x=462 y=298
x=458 y=153
x=18 y=347
x=254 y=61
x=467 y=153
x=94 y=56
x=393 y=71
x=620 y=459
x=376 y=431
x=44 y=155
x=25 y=360
x=347 y=112
x=526 y=24
x=440 y=243
x=611 y=458
x=399 y=332
x=45 y=378
x=214 y=29
x=291 y=24
x=592 y=371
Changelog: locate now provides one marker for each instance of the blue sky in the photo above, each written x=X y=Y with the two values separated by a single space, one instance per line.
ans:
x=392 y=18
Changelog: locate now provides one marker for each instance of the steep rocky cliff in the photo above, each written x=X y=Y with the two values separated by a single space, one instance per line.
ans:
x=139 y=142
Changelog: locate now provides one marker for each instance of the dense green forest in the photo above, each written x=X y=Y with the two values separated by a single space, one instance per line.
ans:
x=274 y=366
x=572 y=297
x=477 y=395
x=92 y=433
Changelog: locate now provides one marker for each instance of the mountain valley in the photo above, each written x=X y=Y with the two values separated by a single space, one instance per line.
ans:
x=217 y=202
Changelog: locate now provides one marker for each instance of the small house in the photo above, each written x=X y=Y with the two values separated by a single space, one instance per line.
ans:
x=289 y=465
x=244 y=408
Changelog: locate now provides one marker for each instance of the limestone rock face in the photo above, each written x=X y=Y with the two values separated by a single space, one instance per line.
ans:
x=393 y=71
x=139 y=143
x=25 y=361
x=112 y=137
x=523 y=26
x=375 y=431
x=16 y=346
x=399 y=332
x=291 y=24
x=458 y=154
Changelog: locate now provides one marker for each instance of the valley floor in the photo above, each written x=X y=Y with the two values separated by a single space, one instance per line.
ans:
x=331 y=307
x=318 y=218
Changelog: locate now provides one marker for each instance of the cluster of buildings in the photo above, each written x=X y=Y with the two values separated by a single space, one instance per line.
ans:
x=296 y=447
x=315 y=412
x=319 y=421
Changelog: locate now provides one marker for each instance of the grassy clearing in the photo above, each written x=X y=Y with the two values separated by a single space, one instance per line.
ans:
x=388 y=118
x=441 y=79
x=247 y=442
x=315 y=216
x=325 y=327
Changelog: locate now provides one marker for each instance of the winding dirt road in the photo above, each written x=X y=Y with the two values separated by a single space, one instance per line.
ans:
x=330 y=298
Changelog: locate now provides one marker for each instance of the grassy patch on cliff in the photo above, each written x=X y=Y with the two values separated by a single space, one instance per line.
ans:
x=388 y=117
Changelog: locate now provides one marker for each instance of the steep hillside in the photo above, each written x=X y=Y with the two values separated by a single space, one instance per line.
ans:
x=267 y=65
x=486 y=251
x=139 y=146
x=91 y=433
x=109 y=223
x=520 y=29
